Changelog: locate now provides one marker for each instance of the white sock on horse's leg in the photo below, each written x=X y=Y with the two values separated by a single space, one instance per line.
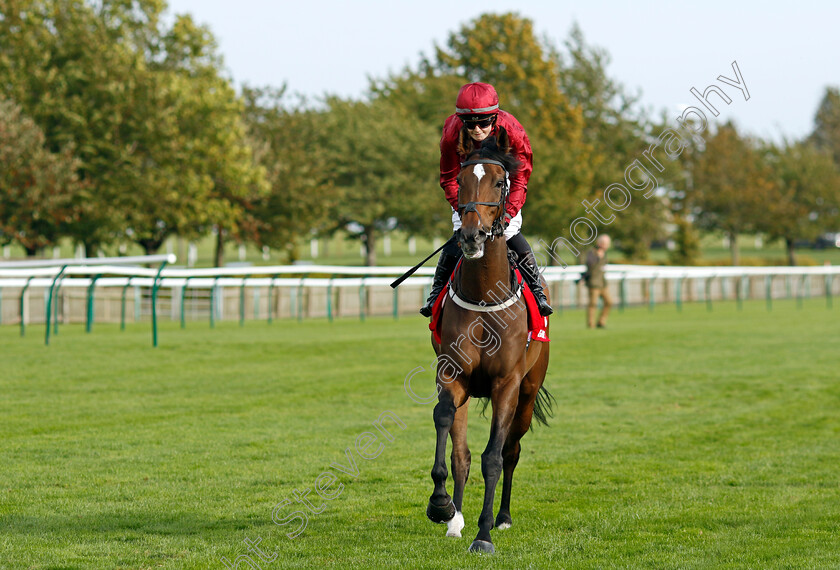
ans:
x=454 y=526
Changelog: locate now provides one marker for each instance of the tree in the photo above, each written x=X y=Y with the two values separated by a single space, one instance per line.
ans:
x=617 y=131
x=385 y=173
x=36 y=186
x=808 y=201
x=826 y=134
x=300 y=196
x=154 y=122
x=732 y=186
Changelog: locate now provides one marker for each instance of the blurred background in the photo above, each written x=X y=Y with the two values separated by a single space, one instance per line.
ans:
x=266 y=133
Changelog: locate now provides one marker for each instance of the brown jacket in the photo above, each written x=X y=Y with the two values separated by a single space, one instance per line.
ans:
x=596 y=267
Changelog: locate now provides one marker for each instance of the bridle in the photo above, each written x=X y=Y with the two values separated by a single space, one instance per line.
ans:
x=497 y=228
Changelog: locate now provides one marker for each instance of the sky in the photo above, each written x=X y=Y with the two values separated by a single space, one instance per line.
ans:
x=786 y=51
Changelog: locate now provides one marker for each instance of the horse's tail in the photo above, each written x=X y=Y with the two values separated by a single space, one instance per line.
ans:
x=543 y=407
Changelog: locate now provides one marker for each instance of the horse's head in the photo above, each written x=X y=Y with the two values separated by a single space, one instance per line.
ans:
x=483 y=187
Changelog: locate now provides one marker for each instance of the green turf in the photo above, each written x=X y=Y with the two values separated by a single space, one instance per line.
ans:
x=680 y=440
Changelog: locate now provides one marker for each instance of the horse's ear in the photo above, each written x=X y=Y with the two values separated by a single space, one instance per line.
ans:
x=503 y=140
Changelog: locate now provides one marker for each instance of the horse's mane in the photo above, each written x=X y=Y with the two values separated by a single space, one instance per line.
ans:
x=493 y=148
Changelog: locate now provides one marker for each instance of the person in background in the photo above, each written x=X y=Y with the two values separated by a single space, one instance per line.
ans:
x=596 y=282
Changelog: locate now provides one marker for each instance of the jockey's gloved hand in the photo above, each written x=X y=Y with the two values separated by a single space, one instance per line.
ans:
x=508 y=218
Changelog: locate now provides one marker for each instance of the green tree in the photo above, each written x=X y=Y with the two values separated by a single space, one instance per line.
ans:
x=384 y=171
x=36 y=186
x=617 y=130
x=732 y=186
x=807 y=201
x=154 y=122
x=300 y=196
x=826 y=134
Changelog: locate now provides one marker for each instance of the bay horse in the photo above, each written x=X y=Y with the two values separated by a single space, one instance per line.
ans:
x=483 y=351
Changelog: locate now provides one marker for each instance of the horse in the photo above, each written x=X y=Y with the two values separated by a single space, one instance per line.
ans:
x=483 y=351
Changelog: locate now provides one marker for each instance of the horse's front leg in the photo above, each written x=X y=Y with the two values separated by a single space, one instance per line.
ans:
x=504 y=405
x=460 y=467
x=451 y=396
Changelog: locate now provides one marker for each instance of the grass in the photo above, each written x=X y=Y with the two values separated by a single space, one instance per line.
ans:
x=680 y=440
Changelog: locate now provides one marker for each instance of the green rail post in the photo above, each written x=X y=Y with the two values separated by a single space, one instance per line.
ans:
x=242 y=301
x=90 y=307
x=184 y=302
x=768 y=291
x=362 y=299
x=396 y=304
x=155 y=287
x=739 y=293
x=829 y=279
x=679 y=293
x=22 y=297
x=300 y=297
x=651 y=294
x=709 y=293
x=270 y=296
x=48 y=312
x=788 y=286
x=1 y=306
x=330 y=298
x=55 y=305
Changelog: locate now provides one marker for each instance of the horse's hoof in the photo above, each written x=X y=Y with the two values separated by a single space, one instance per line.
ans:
x=440 y=514
x=503 y=522
x=482 y=547
x=455 y=525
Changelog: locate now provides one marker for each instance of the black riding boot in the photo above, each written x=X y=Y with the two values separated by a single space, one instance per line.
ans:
x=530 y=271
x=446 y=264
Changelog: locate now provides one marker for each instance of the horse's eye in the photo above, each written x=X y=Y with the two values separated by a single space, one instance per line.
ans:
x=500 y=184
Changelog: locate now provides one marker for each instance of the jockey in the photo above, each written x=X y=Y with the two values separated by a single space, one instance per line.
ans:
x=477 y=117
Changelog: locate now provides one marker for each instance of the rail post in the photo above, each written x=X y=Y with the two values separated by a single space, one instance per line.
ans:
x=184 y=302
x=155 y=287
x=90 y=308
x=242 y=301
x=330 y=298
x=48 y=312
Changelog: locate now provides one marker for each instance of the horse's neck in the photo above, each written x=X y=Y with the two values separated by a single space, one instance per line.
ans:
x=487 y=279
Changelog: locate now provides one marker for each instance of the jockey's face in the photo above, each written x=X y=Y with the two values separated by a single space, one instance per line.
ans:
x=478 y=134
x=477 y=131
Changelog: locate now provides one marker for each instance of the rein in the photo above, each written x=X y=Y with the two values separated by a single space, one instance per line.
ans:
x=496 y=229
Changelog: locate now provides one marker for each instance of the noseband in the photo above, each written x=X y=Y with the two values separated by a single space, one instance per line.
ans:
x=497 y=227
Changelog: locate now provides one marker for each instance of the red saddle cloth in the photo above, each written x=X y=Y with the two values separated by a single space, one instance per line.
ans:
x=537 y=324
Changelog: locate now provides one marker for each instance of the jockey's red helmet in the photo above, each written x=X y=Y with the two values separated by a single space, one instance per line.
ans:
x=477 y=99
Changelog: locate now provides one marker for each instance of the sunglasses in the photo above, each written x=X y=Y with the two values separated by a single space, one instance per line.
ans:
x=480 y=123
